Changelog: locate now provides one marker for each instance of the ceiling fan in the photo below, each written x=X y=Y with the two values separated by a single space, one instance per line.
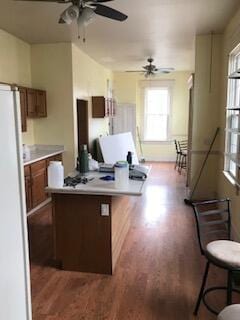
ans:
x=150 y=69
x=83 y=11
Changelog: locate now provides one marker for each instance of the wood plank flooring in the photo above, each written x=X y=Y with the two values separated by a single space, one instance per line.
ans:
x=157 y=275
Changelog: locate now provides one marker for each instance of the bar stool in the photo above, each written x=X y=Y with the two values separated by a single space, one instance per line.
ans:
x=230 y=313
x=213 y=219
x=178 y=155
x=182 y=146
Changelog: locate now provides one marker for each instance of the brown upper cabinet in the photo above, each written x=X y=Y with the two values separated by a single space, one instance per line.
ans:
x=36 y=103
x=23 y=106
x=41 y=103
x=102 y=107
x=33 y=104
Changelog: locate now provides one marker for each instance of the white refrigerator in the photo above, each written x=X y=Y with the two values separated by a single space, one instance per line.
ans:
x=15 y=298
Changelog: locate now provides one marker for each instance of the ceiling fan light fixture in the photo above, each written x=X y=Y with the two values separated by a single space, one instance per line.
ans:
x=86 y=17
x=70 y=14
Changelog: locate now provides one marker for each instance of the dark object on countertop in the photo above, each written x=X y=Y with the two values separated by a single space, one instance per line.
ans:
x=138 y=172
x=82 y=160
x=107 y=178
x=129 y=157
x=73 y=181
x=107 y=168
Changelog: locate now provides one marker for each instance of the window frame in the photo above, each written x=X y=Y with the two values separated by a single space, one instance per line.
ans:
x=232 y=110
x=157 y=84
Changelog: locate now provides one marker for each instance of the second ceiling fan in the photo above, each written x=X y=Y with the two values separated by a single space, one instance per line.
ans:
x=150 y=69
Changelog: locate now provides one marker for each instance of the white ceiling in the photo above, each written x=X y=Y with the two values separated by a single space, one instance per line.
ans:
x=163 y=29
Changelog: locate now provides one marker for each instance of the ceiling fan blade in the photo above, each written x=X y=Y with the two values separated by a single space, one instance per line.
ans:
x=134 y=71
x=109 y=12
x=99 y=1
x=164 y=70
x=58 y=1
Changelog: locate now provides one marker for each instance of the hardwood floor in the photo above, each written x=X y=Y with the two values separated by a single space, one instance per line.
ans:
x=157 y=275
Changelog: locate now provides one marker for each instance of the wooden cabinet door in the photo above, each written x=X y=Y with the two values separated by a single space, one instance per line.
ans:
x=28 y=188
x=31 y=103
x=39 y=182
x=23 y=106
x=41 y=103
x=99 y=107
x=28 y=191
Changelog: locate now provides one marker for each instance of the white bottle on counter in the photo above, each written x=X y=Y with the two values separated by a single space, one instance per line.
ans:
x=55 y=174
x=26 y=152
x=121 y=175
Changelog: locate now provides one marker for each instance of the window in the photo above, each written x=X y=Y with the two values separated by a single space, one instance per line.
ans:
x=232 y=143
x=157 y=113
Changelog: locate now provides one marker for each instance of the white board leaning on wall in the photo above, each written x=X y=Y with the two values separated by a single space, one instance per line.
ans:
x=115 y=148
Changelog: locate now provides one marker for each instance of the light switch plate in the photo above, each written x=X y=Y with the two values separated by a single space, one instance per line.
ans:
x=104 y=210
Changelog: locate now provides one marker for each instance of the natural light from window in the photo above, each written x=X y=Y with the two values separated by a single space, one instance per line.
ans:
x=156 y=114
x=232 y=142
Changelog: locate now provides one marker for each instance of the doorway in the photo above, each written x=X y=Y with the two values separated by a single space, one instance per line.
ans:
x=125 y=119
x=190 y=124
x=82 y=123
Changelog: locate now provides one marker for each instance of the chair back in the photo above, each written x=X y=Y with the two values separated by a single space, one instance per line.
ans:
x=176 y=146
x=213 y=221
x=183 y=146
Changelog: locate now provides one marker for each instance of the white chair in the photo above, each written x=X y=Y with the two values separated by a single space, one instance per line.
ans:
x=230 y=313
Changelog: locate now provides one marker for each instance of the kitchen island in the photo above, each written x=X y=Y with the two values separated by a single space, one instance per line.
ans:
x=90 y=223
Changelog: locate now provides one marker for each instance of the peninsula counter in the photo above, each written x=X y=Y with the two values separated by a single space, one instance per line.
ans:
x=91 y=222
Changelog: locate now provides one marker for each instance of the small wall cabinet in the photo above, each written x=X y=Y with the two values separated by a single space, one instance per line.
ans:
x=33 y=104
x=103 y=107
x=36 y=103
x=36 y=181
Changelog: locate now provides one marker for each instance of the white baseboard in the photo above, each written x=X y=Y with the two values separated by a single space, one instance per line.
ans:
x=161 y=159
x=41 y=205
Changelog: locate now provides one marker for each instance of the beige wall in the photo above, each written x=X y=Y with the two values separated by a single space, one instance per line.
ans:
x=89 y=79
x=127 y=89
x=225 y=189
x=66 y=74
x=52 y=71
x=15 y=67
x=209 y=113
x=206 y=113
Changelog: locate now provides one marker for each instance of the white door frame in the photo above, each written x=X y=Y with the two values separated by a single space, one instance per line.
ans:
x=190 y=127
x=134 y=123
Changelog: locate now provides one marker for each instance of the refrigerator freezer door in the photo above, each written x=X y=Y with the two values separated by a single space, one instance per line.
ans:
x=14 y=265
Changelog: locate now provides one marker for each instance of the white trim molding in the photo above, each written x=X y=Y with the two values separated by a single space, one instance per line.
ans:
x=160 y=158
x=145 y=84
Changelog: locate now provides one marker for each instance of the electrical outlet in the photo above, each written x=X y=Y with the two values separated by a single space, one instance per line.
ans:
x=104 y=210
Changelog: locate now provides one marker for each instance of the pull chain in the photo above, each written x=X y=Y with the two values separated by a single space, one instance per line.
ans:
x=79 y=37
x=84 y=33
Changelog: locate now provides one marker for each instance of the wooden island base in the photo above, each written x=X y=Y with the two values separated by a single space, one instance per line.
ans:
x=84 y=239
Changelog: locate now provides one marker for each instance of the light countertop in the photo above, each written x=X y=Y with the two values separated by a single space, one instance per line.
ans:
x=100 y=187
x=41 y=152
